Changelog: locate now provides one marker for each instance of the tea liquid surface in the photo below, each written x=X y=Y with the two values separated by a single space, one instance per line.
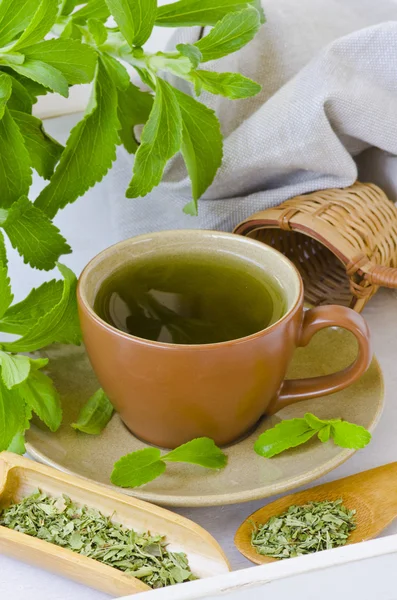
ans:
x=190 y=299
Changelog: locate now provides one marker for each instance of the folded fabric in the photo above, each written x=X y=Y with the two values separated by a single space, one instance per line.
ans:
x=329 y=74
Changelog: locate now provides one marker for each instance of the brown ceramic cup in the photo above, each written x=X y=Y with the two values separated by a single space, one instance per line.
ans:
x=168 y=394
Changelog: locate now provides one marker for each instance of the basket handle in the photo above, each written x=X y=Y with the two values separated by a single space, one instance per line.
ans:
x=382 y=276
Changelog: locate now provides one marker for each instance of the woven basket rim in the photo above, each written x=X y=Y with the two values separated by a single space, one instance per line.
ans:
x=318 y=215
x=256 y=225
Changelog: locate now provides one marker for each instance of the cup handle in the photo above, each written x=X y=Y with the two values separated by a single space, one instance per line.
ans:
x=295 y=390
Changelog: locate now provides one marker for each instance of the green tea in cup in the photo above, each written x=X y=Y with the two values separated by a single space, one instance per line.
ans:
x=198 y=298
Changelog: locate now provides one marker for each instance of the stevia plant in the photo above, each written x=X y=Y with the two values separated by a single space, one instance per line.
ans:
x=48 y=46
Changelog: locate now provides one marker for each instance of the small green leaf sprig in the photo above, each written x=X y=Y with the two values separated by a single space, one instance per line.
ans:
x=95 y=414
x=294 y=432
x=142 y=466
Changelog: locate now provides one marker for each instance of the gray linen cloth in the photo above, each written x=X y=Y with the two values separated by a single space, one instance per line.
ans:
x=327 y=114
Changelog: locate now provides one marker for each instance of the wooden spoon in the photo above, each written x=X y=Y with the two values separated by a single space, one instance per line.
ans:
x=373 y=494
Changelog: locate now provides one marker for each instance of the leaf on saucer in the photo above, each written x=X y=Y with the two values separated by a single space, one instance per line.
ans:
x=314 y=422
x=95 y=414
x=349 y=435
x=287 y=434
x=201 y=451
x=324 y=434
x=138 y=468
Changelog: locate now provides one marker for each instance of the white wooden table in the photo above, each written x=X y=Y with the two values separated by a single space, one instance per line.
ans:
x=87 y=227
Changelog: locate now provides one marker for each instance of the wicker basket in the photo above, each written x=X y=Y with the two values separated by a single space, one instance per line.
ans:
x=343 y=241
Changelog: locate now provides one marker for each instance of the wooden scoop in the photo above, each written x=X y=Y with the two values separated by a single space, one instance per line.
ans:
x=19 y=477
x=373 y=494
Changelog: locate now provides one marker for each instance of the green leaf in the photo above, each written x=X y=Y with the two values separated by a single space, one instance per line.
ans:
x=324 y=433
x=44 y=151
x=6 y=296
x=61 y=324
x=191 y=52
x=40 y=395
x=34 y=235
x=33 y=88
x=3 y=252
x=68 y=6
x=21 y=317
x=145 y=77
x=314 y=422
x=349 y=435
x=191 y=208
x=180 y=66
x=14 y=369
x=287 y=434
x=134 y=109
x=231 y=85
x=12 y=58
x=202 y=144
x=95 y=414
x=15 y=172
x=144 y=13
x=94 y=9
x=294 y=432
x=230 y=34
x=43 y=19
x=13 y=416
x=135 y=18
x=5 y=92
x=123 y=13
x=43 y=74
x=38 y=363
x=201 y=451
x=187 y=13
x=72 y=32
x=76 y=541
x=20 y=98
x=134 y=106
x=117 y=72
x=74 y=60
x=91 y=142
x=18 y=444
x=138 y=468
x=161 y=139
x=15 y=16
x=98 y=31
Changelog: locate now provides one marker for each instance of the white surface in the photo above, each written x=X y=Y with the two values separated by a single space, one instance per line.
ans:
x=87 y=226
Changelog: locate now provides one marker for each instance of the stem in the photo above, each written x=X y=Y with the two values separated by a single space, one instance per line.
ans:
x=117 y=47
x=128 y=57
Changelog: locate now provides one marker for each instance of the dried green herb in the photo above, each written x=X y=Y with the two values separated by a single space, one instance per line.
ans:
x=88 y=532
x=304 y=529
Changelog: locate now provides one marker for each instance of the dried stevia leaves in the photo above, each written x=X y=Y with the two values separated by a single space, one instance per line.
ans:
x=88 y=532
x=304 y=530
